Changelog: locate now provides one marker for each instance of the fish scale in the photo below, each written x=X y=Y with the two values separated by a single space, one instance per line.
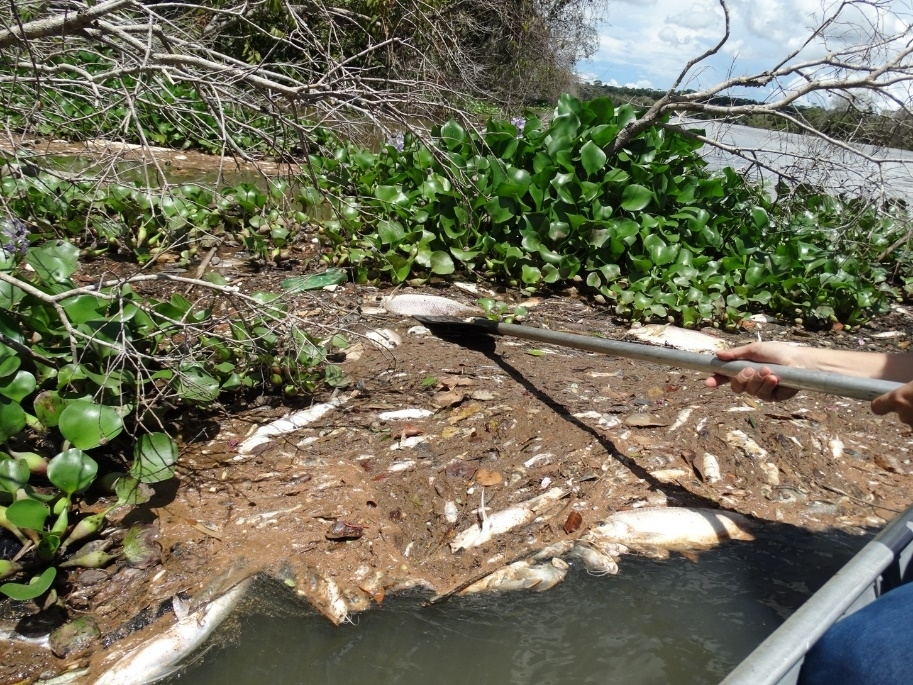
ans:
x=426 y=305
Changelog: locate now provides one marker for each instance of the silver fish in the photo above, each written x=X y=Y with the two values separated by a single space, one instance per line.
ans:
x=426 y=305
x=671 y=528
x=163 y=655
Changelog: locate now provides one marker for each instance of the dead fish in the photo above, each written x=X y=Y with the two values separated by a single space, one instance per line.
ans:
x=425 y=305
x=385 y=338
x=741 y=441
x=679 y=338
x=288 y=424
x=522 y=575
x=163 y=655
x=671 y=528
x=504 y=520
x=708 y=467
x=324 y=594
x=596 y=562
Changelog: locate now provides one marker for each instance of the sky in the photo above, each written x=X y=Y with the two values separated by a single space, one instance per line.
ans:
x=646 y=43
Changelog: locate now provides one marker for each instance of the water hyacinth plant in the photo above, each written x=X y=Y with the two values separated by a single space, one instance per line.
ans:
x=649 y=230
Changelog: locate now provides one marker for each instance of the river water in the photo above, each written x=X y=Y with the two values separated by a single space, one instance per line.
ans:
x=673 y=622
x=886 y=172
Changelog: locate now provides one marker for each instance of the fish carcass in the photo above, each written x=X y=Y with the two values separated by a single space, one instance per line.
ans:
x=669 y=529
x=164 y=654
x=525 y=574
x=679 y=338
x=505 y=520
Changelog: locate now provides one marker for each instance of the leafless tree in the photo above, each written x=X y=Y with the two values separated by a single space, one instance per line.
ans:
x=859 y=52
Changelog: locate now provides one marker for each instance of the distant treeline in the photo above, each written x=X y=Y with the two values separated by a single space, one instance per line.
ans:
x=847 y=123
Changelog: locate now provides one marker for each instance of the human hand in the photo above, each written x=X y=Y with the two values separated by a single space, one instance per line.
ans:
x=900 y=401
x=763 y=383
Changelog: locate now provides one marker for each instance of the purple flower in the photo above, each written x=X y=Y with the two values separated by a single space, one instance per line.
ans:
x=397 y=141
x=519 y=123
x=15 y=236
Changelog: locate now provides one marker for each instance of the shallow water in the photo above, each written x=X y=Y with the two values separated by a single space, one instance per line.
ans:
x=674 y=621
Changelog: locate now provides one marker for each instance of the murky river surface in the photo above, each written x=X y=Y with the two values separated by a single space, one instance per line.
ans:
x=675 y=622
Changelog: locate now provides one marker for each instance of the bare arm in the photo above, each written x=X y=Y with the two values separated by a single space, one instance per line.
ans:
x=765 y=384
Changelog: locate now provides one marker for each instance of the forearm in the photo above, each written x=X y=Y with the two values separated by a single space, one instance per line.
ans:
x=892 y=367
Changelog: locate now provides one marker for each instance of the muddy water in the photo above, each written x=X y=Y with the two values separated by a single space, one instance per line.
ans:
x=675 y=622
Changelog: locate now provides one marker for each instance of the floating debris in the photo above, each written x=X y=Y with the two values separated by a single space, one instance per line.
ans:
x=426 y=305
x=162 y=655
x=740 y=440
x=835 y=445
x=522 y=575
x=289 y=424
x=504 y=520
x=385 y=338
x=679 y=338
x=671 y=528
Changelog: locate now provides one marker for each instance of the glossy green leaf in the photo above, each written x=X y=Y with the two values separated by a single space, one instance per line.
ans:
x=12 y=418
x=14 y=474
x=18 y=387
x=36 y=587
x=441 y=263
x=72 y=471
x=197 y=387
x=314 y=281
x=635 y=197
x=27 y=513
x=54 y=261
x=592 y=157
x=154 y=458
x=88 y=424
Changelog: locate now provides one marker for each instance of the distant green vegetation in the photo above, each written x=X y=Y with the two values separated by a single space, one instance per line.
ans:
x=850 y=124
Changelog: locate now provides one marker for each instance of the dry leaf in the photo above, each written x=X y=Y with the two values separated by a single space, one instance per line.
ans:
x=487 y=478
x=645 y=421
x=447 y=399
x=573 y=523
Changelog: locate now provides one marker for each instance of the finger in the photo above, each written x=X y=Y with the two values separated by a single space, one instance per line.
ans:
x=716 y=381
x=883 y=404
x=742 y=380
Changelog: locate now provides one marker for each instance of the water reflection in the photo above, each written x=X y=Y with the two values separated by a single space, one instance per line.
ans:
x=673 y=622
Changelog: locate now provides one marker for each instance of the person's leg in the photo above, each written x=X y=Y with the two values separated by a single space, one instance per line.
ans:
x=874 y=646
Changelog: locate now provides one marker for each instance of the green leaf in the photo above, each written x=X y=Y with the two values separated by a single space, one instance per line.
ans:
x=453 y=135
x=635 y=197
x=48 y=405
x=154 y=457
x=535 y=353
x=130 y=491
x=87 y=424
x=12 y=418
x=18 y=387
x=72 y=471
x=83 y=308
x=592 y=157
x=196 y=386
x=315 y=281
x=54 y=261
x=9 y=363
x=14 y=474
x=441 y=263
x=27 y=513
x=37 y=586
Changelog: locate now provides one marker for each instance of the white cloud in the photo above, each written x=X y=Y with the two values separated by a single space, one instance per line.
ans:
x=652 y=41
